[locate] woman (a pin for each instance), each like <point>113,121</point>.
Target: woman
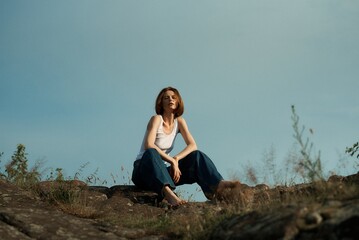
<point>187,167</point>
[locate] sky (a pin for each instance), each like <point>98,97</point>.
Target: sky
<point>78,80</point>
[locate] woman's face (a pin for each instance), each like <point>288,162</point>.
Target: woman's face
<point>169,101</point>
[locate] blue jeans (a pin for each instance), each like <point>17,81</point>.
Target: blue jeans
<point>150,172</point>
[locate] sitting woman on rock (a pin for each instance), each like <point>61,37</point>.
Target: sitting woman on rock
<point>187,167</point>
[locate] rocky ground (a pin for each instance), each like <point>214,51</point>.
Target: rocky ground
<point>73,210</point>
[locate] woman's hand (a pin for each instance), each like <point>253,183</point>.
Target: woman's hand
<point>175,171</point>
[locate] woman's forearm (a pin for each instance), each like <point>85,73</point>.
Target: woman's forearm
<point>187,150</point>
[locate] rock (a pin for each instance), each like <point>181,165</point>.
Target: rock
<point>293,223</point>
<point>255,225</point>
<point>351,179</point>
<point>100,189</point>
<point>137,195</point>
<point>334,216</point>
<point>131,192</point>
<point>24,216</point>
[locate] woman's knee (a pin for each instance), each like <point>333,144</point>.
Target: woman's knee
<point>201,157</point>
<point>151,152</point>
<point>196,153</point>
<point>199,154</point>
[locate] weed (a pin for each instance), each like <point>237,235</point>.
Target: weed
<point>91,178</point>
<point>272,172</point>
<point>188,195</point>
<point>126,177</point>
<point>55,175</point>
<point>353,150</point>
<point>298,162</point>
<point>61,192</point>
<point>251,175</point>
<point>290,166</point>
<point>80,170</point>
<point>311,168</point>
<point>17,170</point>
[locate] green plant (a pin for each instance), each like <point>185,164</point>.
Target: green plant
<point>311,166</point>
<point>353,149</point>
<point>63,192</point>
<point>17,170</point>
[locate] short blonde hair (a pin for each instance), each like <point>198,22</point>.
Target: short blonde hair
<point>159,106</point>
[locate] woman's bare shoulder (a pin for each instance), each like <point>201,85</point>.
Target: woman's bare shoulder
<point>181,119</point>
<point>155,118</point>
<point>154,121</point>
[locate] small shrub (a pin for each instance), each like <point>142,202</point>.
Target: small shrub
<point>70,198</point>
<point>17,170</point>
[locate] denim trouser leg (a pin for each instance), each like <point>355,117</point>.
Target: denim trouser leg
<point>198,167</point>
<point>150,172</point>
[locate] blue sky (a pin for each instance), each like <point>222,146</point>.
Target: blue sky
<point>79,78</point>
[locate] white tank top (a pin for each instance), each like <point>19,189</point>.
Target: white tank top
<point>163,140</point>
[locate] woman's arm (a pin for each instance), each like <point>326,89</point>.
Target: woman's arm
<point>150,138</point>
<point>188,138</point>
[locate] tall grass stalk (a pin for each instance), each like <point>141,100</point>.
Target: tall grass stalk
<point>311,166</point>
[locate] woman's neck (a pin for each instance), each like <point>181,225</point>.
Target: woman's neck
<point>168,118</point>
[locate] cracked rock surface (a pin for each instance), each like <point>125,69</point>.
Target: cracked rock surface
<point>24,216</point>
